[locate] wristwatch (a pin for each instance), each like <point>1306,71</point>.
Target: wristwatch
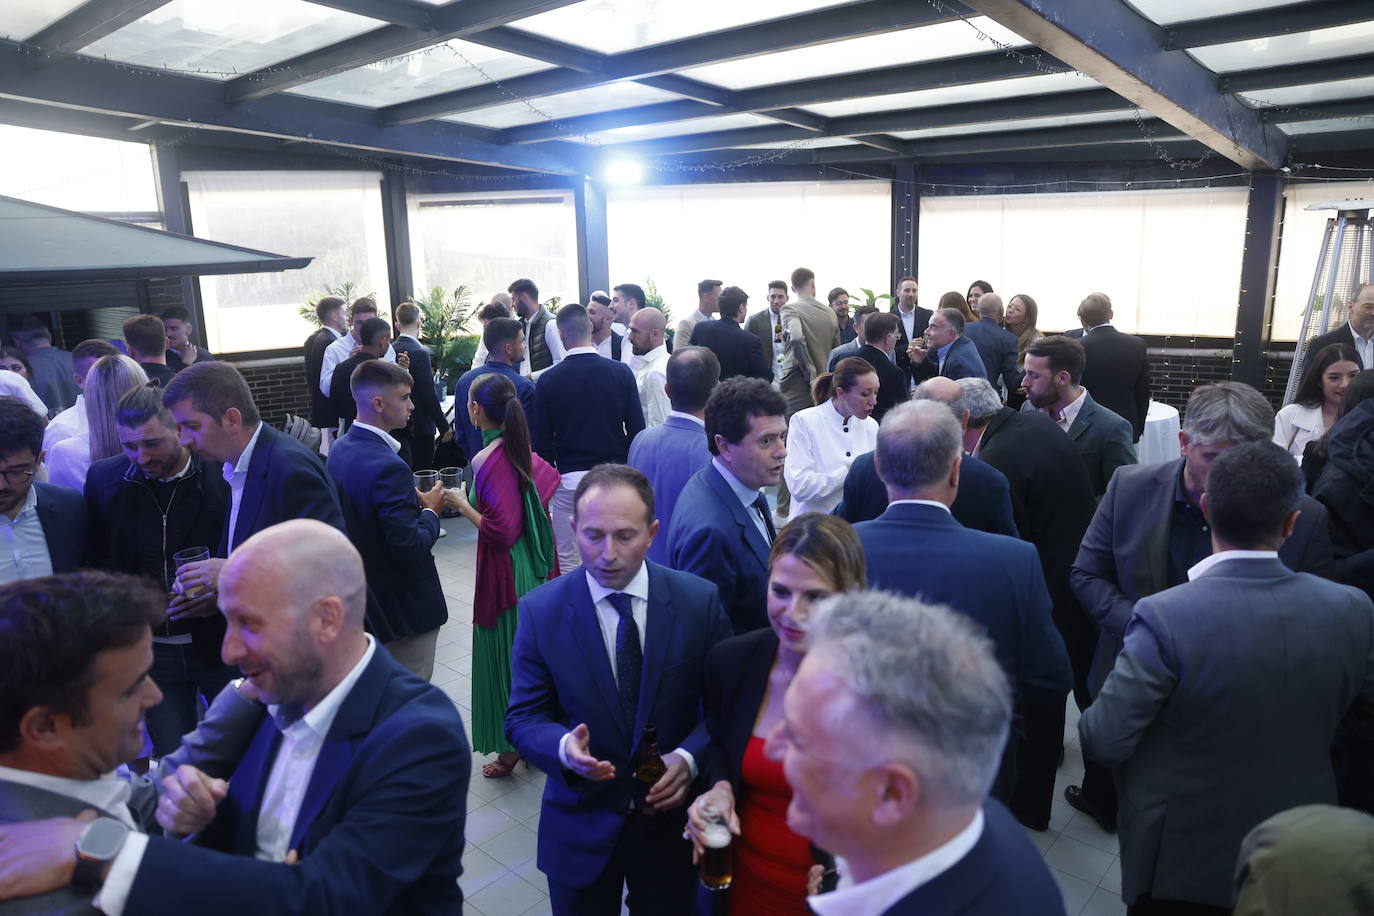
<point>100,842</point>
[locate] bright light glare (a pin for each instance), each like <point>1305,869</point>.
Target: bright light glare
<point>624,171</point>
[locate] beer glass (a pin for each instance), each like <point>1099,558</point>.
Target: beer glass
<point>717,857</point>
<point>452,479</point>
<point>426,480</point>
<point>191,555</point>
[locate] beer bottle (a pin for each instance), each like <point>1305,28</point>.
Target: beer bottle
<point>716,859</point>
<point>651,766</point>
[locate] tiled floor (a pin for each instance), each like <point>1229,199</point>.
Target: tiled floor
<point>499,877</point>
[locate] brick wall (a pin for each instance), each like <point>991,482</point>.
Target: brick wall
<point>278,387</point>
<point>1175,372</point>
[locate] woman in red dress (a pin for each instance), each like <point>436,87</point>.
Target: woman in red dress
<point>814,556</point>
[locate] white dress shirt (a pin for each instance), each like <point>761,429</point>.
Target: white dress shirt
<point>23,548</point>
<point>1296,425</point>
<point>16,386</point>
<point>821,445</point>
<point>1364,347</point>
<point>70,422</point>
<point>919,502</point>
<point>651,377</point>
<point>908,320</point>
<point>1070,411</point>
<point>627,352</point>
<point>746,497</point>
<point>609,619</point>
<point>382,434</point>
<point>69,461</point>
<point>237,476</point>
<point>336,353</point>
<point>877,895</point>
<point>301,741</point>
<point>779,344</point>
<point>1207,563</point>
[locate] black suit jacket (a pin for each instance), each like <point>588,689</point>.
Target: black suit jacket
<point>983,502</point>
<point>1117,373</point>
<point>736,681</point>
<point>919,326</point>
<point>892,381</point>
<point>320,413</point>
<point>1342,334</point>
<point>62,514</point>
<point>738,351</point>
<point>428,417</point>
<point>341,403</point>
<point>285,480</point>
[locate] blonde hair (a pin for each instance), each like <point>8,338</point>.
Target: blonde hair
<point>109,379</point>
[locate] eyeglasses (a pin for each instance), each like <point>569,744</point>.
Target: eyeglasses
<point>17,476</point>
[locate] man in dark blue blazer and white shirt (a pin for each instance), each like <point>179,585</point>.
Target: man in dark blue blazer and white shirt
<point>916,548</point>
<point>393,525</point>
<point>945,351</point>
<point>610,649</point>
<point>722,528</point>
<point>738,351</point>
<point>891,735</point>
<point>272,477</point>
<point>671,452</point>
<point>996,345</point>
<point>428,418</point>
<point>44,525</point>
<point>505,343</point>
<point>586,412</point>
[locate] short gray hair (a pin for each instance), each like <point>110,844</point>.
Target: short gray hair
<point>979,398</point>
<point>954,317</point>
<point>929,684</point>
<point>1227,412</point>
<point>917,444</point>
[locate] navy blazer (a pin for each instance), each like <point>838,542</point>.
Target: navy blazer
<point>1002,874</point>
<point>1103,439</point>
<point>428,417</point>
<point>62,513</point>
<point>1117,372</point>
<point>586,411</point>
<point>983,502</point>
<point>394,535</point>
<point>470,436</point>
<point>892,382</point>
<point>999,348</point>
<point>285,481</point>
<point>668,454</point>
<point>561,677</point>
<point>993,579</point>
<point>714,536</point>
<point>920,321</point>
<point>380,829</point>
<point>738,351</point>
<point>961,361</point>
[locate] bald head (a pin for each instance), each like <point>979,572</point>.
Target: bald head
<point>648,320</point>
<point>990,306</point>
<point>945,390</point>
<point>647,331</point>
<point>302,561</point>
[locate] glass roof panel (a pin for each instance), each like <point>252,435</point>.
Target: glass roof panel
<point>1312,92</point>
<point>566,105</point>
<point>220,40</point>
<point>908,46</point>
<point>1325,125</point>
<point>677,128</point>
<point>1168,12</point>
<point>612,26</point>
<point>1298,48</point>
<point>452,65</point>
<point>1040,84</point>
<point>817,143</point>
<point>22,19</point>
<point>997,127</point>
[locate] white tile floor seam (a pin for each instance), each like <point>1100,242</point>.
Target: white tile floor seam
<point>499,873</point>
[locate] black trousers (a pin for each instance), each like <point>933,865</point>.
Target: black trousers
<point>1148,906</point>
<point>421,449</point>
<point>652,859</point>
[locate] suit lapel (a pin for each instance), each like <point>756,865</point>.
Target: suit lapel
<point>58,545</point>
<point>753,685</point>
<point>254,485</point>
<point>1159,516</point>
<point>586,631</point>
<point>659,624</point>
<point>1086,415</point>
<point>250,782</point>
<point>750,531</point>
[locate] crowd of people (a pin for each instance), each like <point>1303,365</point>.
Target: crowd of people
<point>808,586</point>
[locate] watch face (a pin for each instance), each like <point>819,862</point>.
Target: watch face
<point>102,839</point>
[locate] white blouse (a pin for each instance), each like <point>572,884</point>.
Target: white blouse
<point>821,445</point>
<point>1295,426</point>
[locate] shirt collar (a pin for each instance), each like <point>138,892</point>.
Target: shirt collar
<point>184,472</point>
<point>1207,563</point>
<point>743,493</point>
<point>411,336</point>
<point>657,353</point>
<point>382,434</point>
<point>30,505</point>
<point>321,715</point>
<point>880,894</point>
<point>919,502</point>
<point>838,418</point>
<point>336,334</point>
<point>578,350</point>
<point>687,416</point>
<point>944,351</point>
<point>1071,409</point>
<point>702,316</point>
<point>241,466</point>
<point>110,793</point>
<point>1356,334</point>
<point>637,587</point>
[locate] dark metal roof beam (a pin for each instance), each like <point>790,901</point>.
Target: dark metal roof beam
<point>410,13</point>
<point>1361,108</point>
<point>453,20</point>
<point>870,17</point>
<point>1283,20</point>
<point>535,47</point>
<point>1340,68</point>
<point>1124,51</point>
<point>90,22</point>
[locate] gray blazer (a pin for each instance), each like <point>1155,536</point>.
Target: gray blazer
<point>1220,713</point>
<point>1103,438</point>
<point>1124,555</point>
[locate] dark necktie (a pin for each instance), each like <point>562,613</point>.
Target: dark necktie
<point>629,657</point>
<point>761,507</point>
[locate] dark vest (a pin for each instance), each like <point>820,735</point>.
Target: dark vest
<point>616,341</point>
<point>538,348</point>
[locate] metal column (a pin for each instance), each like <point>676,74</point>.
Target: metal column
<point>1255,312</point>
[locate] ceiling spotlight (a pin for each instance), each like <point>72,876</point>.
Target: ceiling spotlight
<point>624,171</point>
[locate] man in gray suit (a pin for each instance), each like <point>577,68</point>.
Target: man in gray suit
<point>1054,370</point>
<point>1149,530</point>
<point>1227,693</point>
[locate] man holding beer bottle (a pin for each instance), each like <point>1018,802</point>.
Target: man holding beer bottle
<point>608,668</point>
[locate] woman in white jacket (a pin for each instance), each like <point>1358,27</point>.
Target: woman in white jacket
<point>1326,377</point>
<point>823,441</point>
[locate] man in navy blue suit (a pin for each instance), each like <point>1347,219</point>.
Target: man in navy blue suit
<point>45,524</point>
<point>945,350</point>
<point>272,477</point>
<point>613,648</point>
<point>428,418</point>
<point>995,580</point>
<point>722,529</point>
<point>996,345</point>
<point>891,733</point>
<point>505,343</point>
<point>671,452</point>
<point>393,525</point>
<point>586,411</point>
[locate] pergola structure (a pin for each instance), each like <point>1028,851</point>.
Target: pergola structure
<point>693,89</point>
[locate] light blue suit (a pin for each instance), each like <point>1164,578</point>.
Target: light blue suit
<point>668,454</point>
